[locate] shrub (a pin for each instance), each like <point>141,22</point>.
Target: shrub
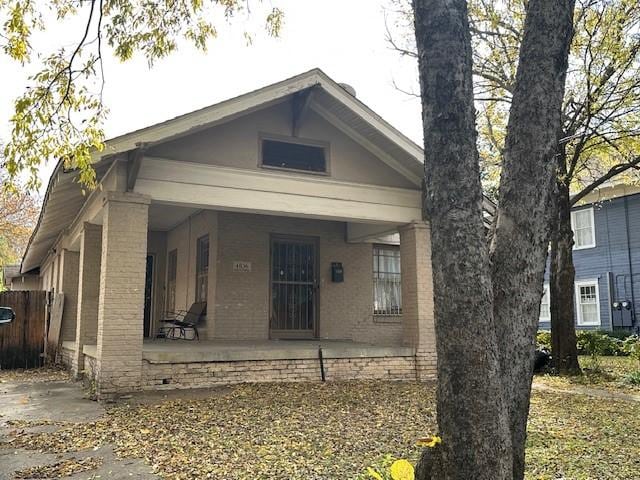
<point>543,339</point>
<point>633,378</point>
<point>631,346</point>
<point>595,344</point>
<point>619,333</point>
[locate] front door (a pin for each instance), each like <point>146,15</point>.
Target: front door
<point>294,292</point>
<point>148,296</point>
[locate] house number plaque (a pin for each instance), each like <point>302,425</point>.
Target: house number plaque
<point>241,267</point>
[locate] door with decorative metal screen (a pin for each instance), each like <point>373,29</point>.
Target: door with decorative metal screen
<point>294,297</point>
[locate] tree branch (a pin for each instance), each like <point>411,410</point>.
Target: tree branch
<point>612,172</point>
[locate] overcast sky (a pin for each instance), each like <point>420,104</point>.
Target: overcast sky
<point>345,38</point>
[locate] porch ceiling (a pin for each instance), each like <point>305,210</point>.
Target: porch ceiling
<point>163,218</point>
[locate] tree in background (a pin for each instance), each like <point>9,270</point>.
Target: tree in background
<point>61,113</point>
<point>600,133</point>
<point>18,217</point>
<point>487,301</point>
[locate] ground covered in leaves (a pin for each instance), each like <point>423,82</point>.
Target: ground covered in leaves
<point>44,374</point>
<point>335,430</point>
<point>609,373</point>
<point>60,469</point>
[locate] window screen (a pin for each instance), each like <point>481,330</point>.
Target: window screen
<point>293,155</point>
<point>387,285</point>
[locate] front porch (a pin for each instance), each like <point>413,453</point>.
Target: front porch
<point>263,275</point>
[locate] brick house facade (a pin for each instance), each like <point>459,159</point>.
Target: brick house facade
<point>195,209</point>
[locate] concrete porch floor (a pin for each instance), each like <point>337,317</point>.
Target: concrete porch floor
<point>181,351</point>
<point>184,351</point>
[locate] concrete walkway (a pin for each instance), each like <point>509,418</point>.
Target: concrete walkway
<point>38,404</point>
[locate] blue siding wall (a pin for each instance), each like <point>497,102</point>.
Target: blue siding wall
<point>614,261</point>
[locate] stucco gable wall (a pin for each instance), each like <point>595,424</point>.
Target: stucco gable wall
<point>236,144</point>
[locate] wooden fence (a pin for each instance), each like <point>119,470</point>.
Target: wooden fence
<point>22,341</point>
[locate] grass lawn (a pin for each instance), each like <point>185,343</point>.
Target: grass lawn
<point>611,375</point>
<point>335,430</point>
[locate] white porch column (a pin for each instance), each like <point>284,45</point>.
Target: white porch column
<point>88,292</point>
<point>121,298</point>
<point>417,297</point>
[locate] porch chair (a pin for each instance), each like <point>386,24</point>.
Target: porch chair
<point>179,322</point>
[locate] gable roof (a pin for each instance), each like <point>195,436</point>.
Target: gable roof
<point>331,100</point>
<point>64,198</point>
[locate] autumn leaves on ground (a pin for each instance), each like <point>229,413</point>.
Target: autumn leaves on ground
<point>336,430</point>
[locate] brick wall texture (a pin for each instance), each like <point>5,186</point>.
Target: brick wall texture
<point>242,299</point>
<point>88,292</point>
<point>158,376</point>
<point>417,296</point>
<point>121,299</point>
<point>69,286</point>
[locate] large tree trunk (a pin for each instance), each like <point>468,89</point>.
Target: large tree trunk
<point>520,243</point>
<point>561,282</point>
<point>472,416</point>
<point>486,323</point>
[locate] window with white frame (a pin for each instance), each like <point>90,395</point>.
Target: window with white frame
<point>587,302</point>
<point>387,284</point>
<point>583,228</point>
<point>545,305</point>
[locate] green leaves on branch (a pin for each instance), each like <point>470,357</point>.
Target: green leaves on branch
<point>58,117</point>
<point>61,113</point>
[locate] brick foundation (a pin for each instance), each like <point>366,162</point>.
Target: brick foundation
<point>158,376</point>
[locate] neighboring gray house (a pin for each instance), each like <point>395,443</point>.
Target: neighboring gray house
<point>607,261</point>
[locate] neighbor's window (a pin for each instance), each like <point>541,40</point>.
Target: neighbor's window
<point>202,269</point>
<point>588,303</point>
<point>545,306</point>
<point>387,289</point>
<point>296,156</point>
<point>583,228</point>
<point>172,271</point>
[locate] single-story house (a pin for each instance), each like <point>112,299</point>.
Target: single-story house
<point>294,211</point>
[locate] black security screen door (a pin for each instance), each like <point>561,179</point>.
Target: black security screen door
<point>293,287</point>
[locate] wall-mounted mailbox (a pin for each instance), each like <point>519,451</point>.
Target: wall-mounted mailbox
<point>337,272</point>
